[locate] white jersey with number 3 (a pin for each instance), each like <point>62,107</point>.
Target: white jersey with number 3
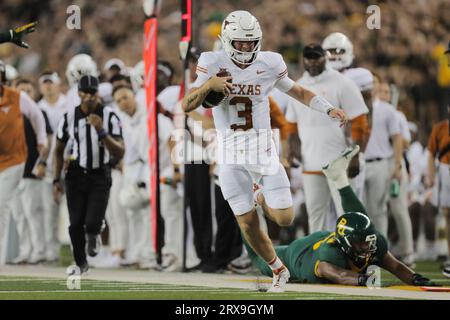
<point>243,118</point>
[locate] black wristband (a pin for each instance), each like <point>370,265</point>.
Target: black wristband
<point>102,134</point>
<point>43,163</point>
<point>55,181</point>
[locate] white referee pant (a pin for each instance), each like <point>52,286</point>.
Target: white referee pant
<point>9,180</point>
<point>376,193</point>
<point>32,207</point>
<point>399,209</point>
<point>172,213</point>
<point>318,195</point>
<point>51,221</point>
<point>140,244</point>
<point>116,215</point>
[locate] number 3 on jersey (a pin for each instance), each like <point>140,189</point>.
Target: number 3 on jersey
<point>246,113</point>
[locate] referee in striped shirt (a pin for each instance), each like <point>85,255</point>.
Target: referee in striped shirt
<point>96,133</point>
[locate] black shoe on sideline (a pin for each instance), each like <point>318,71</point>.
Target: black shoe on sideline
<point>94,243</point>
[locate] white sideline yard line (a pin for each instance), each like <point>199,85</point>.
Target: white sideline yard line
<point>213,281</point>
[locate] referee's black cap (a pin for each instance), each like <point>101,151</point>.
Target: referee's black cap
<point>313,51</point>
<point>88,84</point>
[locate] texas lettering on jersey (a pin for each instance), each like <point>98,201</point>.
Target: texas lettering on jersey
<point>246,89</point>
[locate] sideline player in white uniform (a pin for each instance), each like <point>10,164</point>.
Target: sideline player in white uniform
<point>243,123</point>
<point>135,193</point>
<point>383,160</point>
<point>322,140</point>
<point>398,204</point>
<point>340,57</point>
<point>53,103</point>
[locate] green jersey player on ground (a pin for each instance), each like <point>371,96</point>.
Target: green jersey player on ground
<point>342,256</point>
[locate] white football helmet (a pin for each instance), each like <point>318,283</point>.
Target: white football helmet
<point>340,50</point>
<point>80,64</point>
<point>241,26</point>
<point>137,75</point>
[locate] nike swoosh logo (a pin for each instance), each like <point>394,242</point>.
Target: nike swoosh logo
<point>259,72</point>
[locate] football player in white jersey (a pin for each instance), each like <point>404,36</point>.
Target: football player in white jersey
<point>243,123</point>
<point>340,57</point>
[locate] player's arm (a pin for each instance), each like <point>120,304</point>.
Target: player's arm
<point>401,271</point>
<point>431,156</point>
<point>196,96</point>
<point>397,142</point>
<point>30,109</point>
<point>207,122</point>
<point>318,103</point>
<point>58,163</point>
<point>339,275</point>
<point>431,172</point>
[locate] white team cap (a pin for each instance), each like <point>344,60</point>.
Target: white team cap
<point>53,77</point>
<point>114,62</point>
<point>362,77</point>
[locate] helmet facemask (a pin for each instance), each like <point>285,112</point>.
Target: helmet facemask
<point>340,51</point>
<point>337,58</point>
<point>246,57</point>
<point>361,248</point>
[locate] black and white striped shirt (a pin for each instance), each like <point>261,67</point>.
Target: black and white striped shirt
<point>89,152</point>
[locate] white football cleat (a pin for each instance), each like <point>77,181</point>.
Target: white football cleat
<point>279,280</point>
<point>334,169</point>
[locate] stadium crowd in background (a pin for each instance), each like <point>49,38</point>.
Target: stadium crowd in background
<point>406,57</point>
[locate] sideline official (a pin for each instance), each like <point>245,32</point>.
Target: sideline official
<point>96,133</point>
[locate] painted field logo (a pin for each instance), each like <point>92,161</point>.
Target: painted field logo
<point>73,281</point>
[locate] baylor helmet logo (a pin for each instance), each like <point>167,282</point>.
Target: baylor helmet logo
<point>341,227</point>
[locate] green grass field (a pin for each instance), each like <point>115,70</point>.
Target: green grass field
<point>30,288</point>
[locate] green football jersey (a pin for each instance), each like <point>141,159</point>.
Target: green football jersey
<point>302,256</point>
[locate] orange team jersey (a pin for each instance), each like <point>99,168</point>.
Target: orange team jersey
<point>13,148</point>
<point>439,139</point>
<point>279,121</point>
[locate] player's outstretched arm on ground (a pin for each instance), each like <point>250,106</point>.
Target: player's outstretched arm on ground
<point>401,271</point>
<point>317,103</point>
<point>339,275</point>
<point>196,96</point>
<point>15,35</point>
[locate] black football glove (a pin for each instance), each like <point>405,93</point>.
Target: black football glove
<point>19,32</point>
<point>419,280</point>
